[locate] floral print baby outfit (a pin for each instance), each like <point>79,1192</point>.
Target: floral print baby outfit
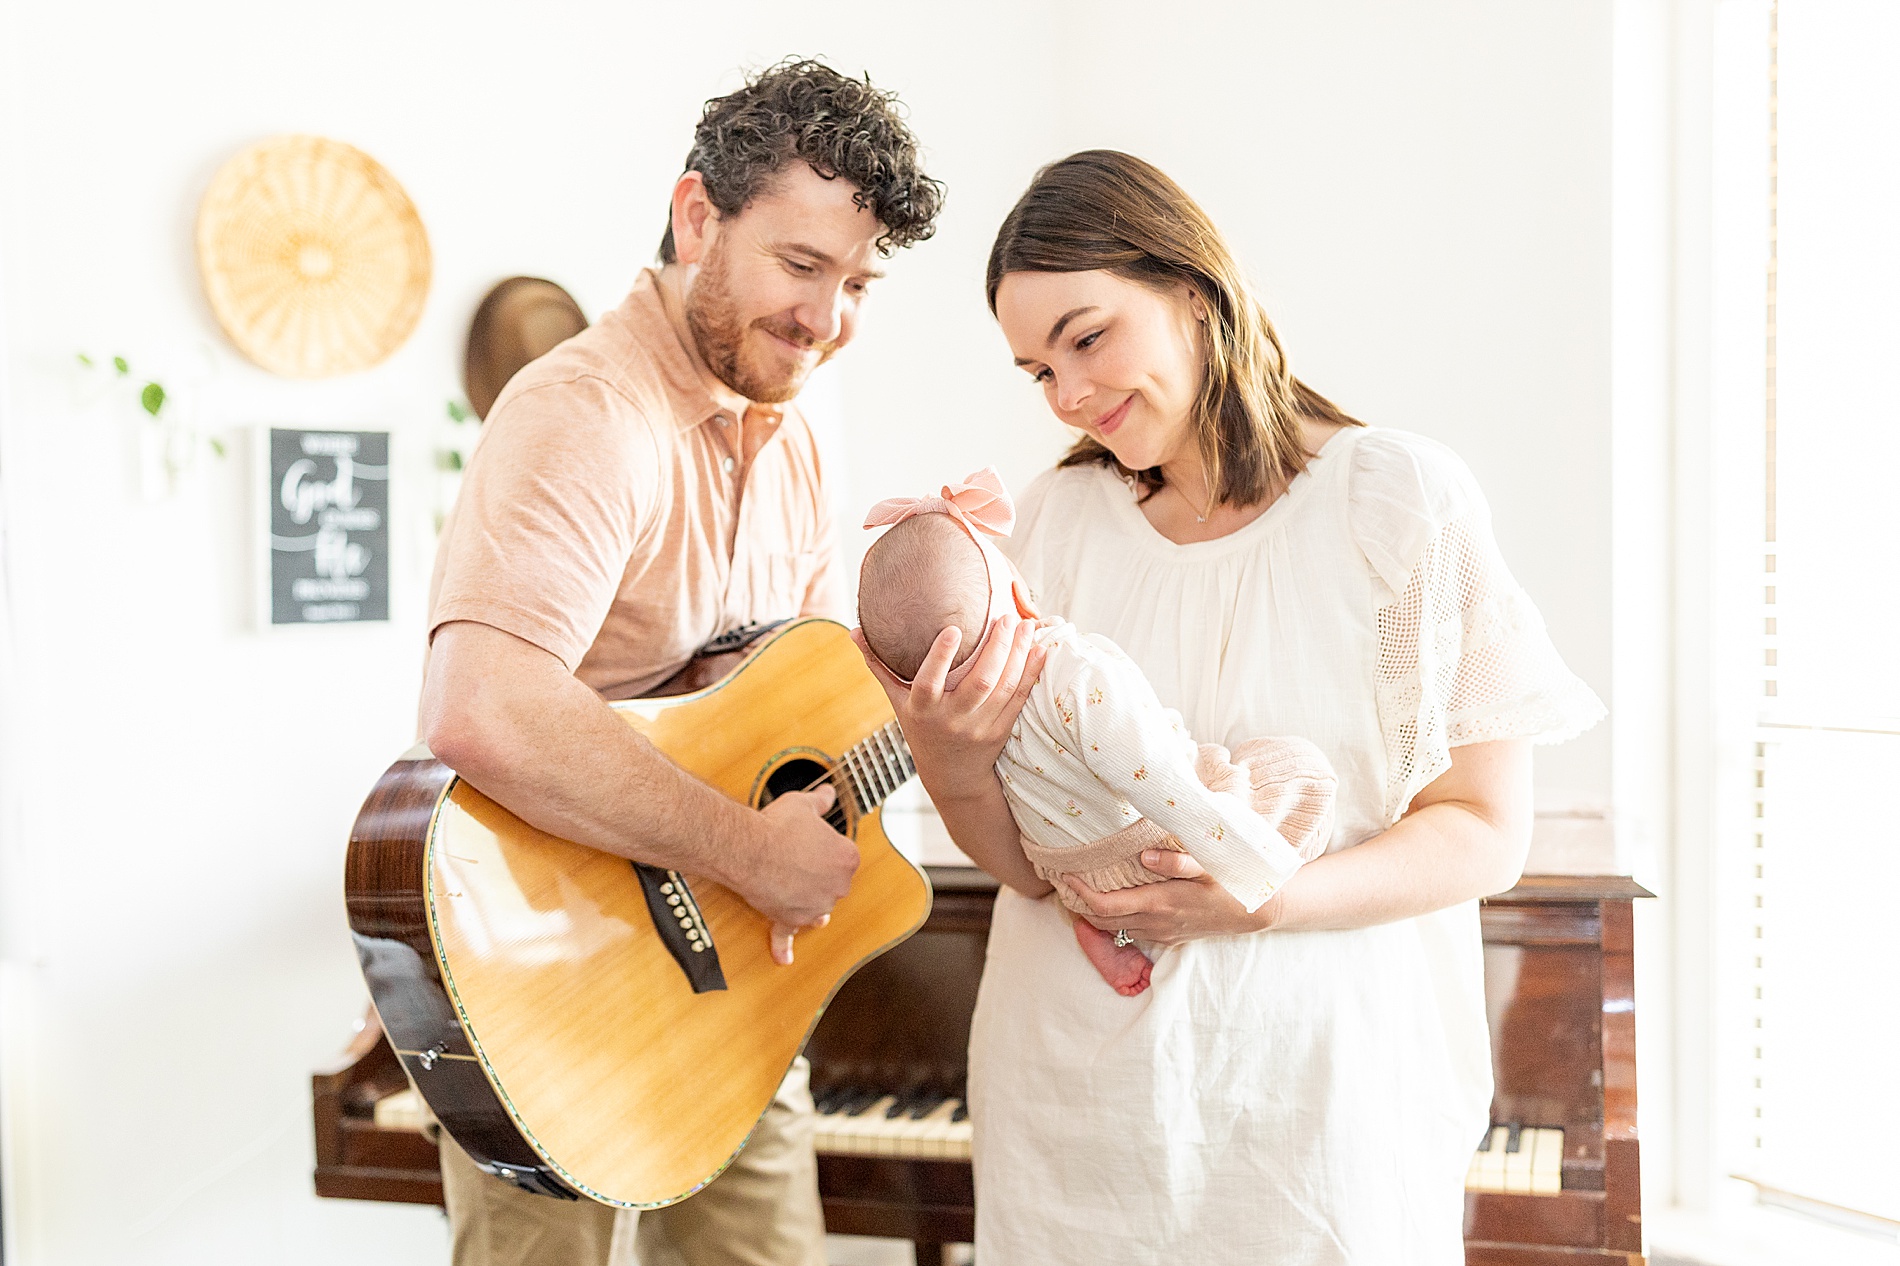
<point>1096,770</point>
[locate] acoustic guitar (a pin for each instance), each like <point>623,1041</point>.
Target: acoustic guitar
<point>583,1025</point>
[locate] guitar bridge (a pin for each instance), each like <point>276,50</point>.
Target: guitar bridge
<point>681,926</point>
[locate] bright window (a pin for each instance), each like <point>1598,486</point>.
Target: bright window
<point>1824,861</point>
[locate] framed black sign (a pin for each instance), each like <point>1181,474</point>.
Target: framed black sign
<point>329,526</point>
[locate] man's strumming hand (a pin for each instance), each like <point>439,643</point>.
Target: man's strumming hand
<point>799,868</point>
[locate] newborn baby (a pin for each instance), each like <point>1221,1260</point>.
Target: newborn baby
<point>1095,770</point>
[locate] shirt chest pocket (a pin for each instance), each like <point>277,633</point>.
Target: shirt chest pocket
<point>787,579</point>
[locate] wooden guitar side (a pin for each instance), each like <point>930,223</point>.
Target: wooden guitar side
<point>527,993</point>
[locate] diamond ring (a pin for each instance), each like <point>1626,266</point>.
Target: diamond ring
<point>1122,939</point>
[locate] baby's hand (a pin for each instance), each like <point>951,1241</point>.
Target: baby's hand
<point>1019,590</point>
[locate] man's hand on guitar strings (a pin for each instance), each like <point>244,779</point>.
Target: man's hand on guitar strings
<point>802,866</point>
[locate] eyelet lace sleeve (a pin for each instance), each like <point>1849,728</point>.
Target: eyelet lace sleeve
<point>1463,653</point>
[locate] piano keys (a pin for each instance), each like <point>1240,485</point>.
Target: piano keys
<point>403,1110</point>
<point>1554,1182</point>
<point>1515,1158</point>
<point>1560,996</point>
<point>898,1034</point>
<point>368,1146</point>
<point>863,1123</point>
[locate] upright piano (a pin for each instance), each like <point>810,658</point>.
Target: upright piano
<point>1553,1183</point>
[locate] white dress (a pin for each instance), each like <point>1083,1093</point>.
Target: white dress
<point>1288,1098</point>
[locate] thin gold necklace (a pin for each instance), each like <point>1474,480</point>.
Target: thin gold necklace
<point>1198,516</point>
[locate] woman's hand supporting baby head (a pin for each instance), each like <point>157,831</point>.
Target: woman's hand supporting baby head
<point>923,577</point>
<point>955,735</point>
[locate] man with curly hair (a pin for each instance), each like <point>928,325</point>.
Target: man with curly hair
<point>643,488</point>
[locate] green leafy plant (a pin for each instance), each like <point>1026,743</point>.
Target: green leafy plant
<point>152,396</point>
<point>450,457</point>
<point>451,454</point>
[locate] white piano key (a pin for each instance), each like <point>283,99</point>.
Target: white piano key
<point>401,1111</point>
<point>911,1129</point>
<point>857,1135</point>
<point>863,1129</point>
<point>933,1137</point>
<point>886,1131</point>
<point>956,1143</point>
<point>1547,1163</point>
<point>1489,1165</point>
<point>1517,1165</point>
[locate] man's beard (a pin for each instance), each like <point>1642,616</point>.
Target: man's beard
<point>711,314</point>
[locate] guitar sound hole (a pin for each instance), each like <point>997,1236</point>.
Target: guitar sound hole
<point>800,774</point>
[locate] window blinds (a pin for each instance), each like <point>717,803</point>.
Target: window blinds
<point>1824,862</point>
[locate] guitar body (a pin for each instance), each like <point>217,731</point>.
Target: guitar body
<point>524,980</point>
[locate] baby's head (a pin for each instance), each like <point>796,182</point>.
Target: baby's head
<point>922,576</point>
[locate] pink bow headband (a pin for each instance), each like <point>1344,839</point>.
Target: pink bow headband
<point>980,504</point>
<point>980,501</point>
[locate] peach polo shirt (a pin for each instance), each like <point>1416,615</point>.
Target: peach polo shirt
<point>612,516</point>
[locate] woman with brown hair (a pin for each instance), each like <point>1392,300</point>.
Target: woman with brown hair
<point>1304,1084</point>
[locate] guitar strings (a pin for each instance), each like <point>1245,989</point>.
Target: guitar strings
<point>829,776</point>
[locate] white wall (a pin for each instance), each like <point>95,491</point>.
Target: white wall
<point>1422,193</point>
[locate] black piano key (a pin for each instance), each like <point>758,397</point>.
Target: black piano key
<point>856,1102</point>
<point>1484,1144</point>
<point>915,1102</point>
<point>1515,1142</point>
<point>925,1104</point>
<point>962,1113</point>
<point>827,1100</point>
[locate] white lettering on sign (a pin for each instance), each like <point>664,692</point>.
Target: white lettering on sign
<point>303,494</point>
<point>338,557</point>
<point>317,444</point>
<point>306,589</point>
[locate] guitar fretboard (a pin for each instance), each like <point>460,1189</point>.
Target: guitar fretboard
<point>877,767</point>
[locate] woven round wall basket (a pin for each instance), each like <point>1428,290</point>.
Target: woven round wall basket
<point>313,257</point>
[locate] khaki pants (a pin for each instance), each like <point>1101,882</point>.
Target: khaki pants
<point>763,1211</point>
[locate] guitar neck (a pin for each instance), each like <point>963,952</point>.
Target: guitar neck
<point>876,767</point>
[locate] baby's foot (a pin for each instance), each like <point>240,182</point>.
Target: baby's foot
<point>1123,966</point>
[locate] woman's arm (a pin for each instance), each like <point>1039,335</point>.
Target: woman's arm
<point>956,736</point>
<point>1465,836</point>
<point>983,827</point>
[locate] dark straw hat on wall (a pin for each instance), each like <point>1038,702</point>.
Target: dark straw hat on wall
<point>520,319</point>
